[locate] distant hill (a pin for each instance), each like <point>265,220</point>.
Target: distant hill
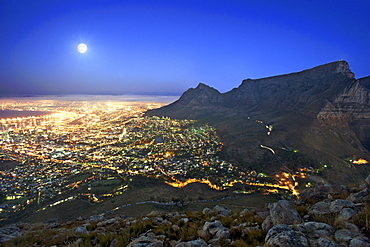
<point>322,113</point>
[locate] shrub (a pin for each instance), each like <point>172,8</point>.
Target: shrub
<point>236,233</point>
<point>302,210</point>
<point>140,227</point>
<point>255,237</point>
<point>239,243</point>
<point>362,220</point>
<point>227,221</point>
<point>329,218</point>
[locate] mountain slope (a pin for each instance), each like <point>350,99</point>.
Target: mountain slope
<point>324,112</point>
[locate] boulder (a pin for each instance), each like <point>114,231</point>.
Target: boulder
<point>363,186</point>
<point>222,210</point>
<point>324,242</point>
<point>317,229</point>
<point>194,243</point>
<point>222,233</point>
<point>285,236</point>
<point>362,196</point>
<point>81,230</point>
<point>207,211</point>
<point>352,227</point>
<point>244,212</point>
<point>158,220</point>
<point>213,227</point>
<point>337,205</point>
<point>176,228</point>
<point>107,222</point>
<point>9,232</point>
<point>218,242</point>
<point>320,208</point>
<point>144,241</point>
<point>282,212</point>
<point>344,235</point>
<point>276,230</point>
<point>346,214</point>
<point>95,218</point>
<point>359,242</point>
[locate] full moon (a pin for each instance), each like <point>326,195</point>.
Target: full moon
<point>82,48</point>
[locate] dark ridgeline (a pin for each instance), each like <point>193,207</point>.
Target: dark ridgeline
<point>324,112</point>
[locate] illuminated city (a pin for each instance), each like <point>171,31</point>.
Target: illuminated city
<point>62,145</point>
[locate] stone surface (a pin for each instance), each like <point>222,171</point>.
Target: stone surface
<point>9,232</point>
<point>353,228</point>
<point>337,205</point>
<point>282,212</point>
<point>222,210</point>
<point>324,242</point>
<point>194,243</point>
<point>206,211</point>
<point>267,223</point>
<point>276,230</point>
<point>360,242</point>
<point>362,196</point>
<point>317,229</point>
<point>213,227</point>
<point>320,208</point>
<point>287,239</point>
<point>81,230</point>
<point>144,241</point>
<point>344,235</point>
<point>346,214</point>
<point>244,212</point>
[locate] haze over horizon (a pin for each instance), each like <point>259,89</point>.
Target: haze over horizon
<point>165,47</point>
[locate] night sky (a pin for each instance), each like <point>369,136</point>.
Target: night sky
<point>166,47</point>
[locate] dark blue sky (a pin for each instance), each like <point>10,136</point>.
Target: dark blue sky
<point>166,47</point>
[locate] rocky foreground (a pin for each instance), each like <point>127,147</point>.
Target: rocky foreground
<point>327,216</point>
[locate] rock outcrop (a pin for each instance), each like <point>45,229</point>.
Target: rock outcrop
<point>282,212</point>
<point>327,223</point>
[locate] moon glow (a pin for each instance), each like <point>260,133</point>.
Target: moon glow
<point>82,48</point>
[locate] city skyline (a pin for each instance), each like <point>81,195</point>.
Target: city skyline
<point>166,47</point>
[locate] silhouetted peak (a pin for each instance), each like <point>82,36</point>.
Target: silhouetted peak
<point>336,67</point>
<point>316,73</point>
<point>203,86</point>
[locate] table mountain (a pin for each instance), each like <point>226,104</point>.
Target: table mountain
<point>323,112</point>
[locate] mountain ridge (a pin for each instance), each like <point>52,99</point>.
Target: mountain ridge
<point>323,111</point>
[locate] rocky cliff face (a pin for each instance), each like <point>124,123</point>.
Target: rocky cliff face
<point>295,91</point>
<point>323,111</point>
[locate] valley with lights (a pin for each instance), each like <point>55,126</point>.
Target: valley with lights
<point>64,150</point>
